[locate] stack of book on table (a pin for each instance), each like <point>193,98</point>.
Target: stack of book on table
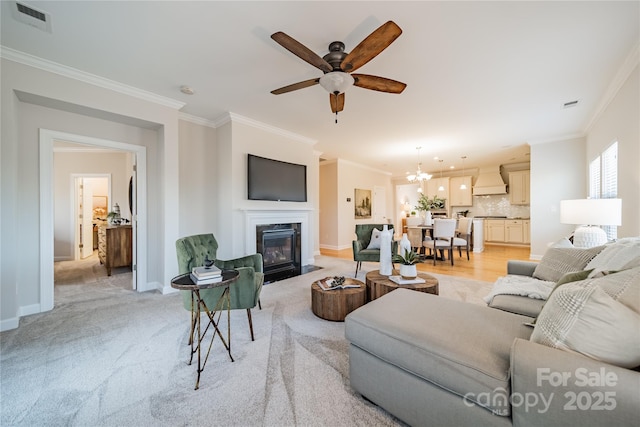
<point>206,275</point>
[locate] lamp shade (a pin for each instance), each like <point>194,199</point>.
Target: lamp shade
<point>591,211</point>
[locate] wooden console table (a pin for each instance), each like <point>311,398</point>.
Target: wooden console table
<point>378,285</point>
<point>115,246</point>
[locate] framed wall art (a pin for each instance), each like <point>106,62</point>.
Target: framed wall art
<point>362,207</point>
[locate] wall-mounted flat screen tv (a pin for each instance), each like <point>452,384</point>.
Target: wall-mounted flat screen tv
<point>276,180</point>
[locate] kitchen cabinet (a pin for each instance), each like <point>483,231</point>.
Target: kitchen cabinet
<point>519,187</point>
<point>511,231</point>
<point>115,246</point>
<point>460,197</point>
<point>494,230</point>
<point>432,188</point>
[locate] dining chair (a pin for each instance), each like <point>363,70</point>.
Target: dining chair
<point>463,235</point>
<point>414,234</point>
<point>444,231</point>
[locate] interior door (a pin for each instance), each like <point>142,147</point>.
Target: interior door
<point>379,205</point>
<point>85,219</point>
<point>134,220</point>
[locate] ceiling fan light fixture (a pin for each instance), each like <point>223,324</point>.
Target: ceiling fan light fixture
<point>336,82</point>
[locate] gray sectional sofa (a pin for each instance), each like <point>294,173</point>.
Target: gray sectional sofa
<point>432,361</point>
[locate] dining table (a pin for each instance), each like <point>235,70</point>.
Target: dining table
<point>427,229</point>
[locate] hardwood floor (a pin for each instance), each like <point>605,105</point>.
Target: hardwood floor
<point>486,266</point>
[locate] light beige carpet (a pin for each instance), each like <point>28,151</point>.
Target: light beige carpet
<point>111,357</point>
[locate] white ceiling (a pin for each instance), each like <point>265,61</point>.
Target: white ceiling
<point>483,78</point>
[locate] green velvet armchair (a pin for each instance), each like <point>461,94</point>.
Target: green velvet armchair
<point>244,293</point>
<point>363,237</point>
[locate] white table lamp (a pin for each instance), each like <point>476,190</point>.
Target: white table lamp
<point>589,214</point>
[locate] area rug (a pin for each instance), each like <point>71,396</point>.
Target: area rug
<point>109,356</point>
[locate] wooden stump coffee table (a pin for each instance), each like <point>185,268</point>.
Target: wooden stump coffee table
<point>378,285</point>
<point>335,304</point>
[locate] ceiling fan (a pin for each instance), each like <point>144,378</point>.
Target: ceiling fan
<point>338,64</point>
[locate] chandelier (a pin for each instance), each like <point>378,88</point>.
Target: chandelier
<point>419,176</point>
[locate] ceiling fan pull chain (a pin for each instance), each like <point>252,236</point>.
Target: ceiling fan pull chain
<point>336,117</point>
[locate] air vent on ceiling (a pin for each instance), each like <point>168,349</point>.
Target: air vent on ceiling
<point>32,16</point>
<point>570,104</point>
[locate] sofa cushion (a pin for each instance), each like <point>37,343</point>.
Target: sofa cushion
<point>557,261</point>
<point>374,243</point>
<point>452,344</point>
<point>597,317</point>
<point>516,304</point>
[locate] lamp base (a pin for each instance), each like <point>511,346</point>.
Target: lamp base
<point>589,236</point>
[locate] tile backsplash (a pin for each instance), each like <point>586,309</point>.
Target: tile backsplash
<point>494,205</point>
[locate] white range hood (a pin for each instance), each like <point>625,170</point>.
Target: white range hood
<point>489,182</point>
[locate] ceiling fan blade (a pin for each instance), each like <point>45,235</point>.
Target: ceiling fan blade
<point>295,86</point>
<point>380,84</point>
<point>337,102</point>
<point>370,47</point>
<point>301,51</point>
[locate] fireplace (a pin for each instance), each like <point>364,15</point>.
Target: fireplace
<point>279,245</point>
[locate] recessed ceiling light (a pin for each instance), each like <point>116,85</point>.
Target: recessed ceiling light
<point>187,90</point>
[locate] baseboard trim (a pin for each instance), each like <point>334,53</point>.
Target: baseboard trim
<point>8,324</point>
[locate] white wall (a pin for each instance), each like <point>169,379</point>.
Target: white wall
<point>340,178</point>
<point>351,176</point>
<point>620,121</point>
<point>328,206</point>
<point>557,173</point>
<point>198,194</point>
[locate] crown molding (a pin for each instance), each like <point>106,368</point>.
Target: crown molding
<point>197,120</point>
<point>236,118</point>
<point>558,138</point>
<point>630,63</point>
<point>73,73</point>
<point>352,163</point>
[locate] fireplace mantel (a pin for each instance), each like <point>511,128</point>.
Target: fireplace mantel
<point>255,217</point>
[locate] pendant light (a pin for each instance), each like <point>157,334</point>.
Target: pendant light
<point>441,187</point>
<point>463,186</point>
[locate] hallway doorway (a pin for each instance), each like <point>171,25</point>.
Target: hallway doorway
<point>137,189</point>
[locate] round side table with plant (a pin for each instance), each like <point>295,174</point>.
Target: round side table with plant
<point>407,260</point>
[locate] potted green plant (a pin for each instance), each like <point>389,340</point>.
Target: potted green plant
<point>427,204</point>
<point>407,260</point>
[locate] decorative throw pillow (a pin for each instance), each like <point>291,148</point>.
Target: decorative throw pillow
<point>620,255</point>
<point>563,243</point>
<point>591,318</point>
<point>558,261</point>
<point>574,276</point>
<point>374,243</point>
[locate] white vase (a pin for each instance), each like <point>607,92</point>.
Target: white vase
<point>428,218</point>
<point>405,244</point>
<point>408,271</point>
<point>385,251</point>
